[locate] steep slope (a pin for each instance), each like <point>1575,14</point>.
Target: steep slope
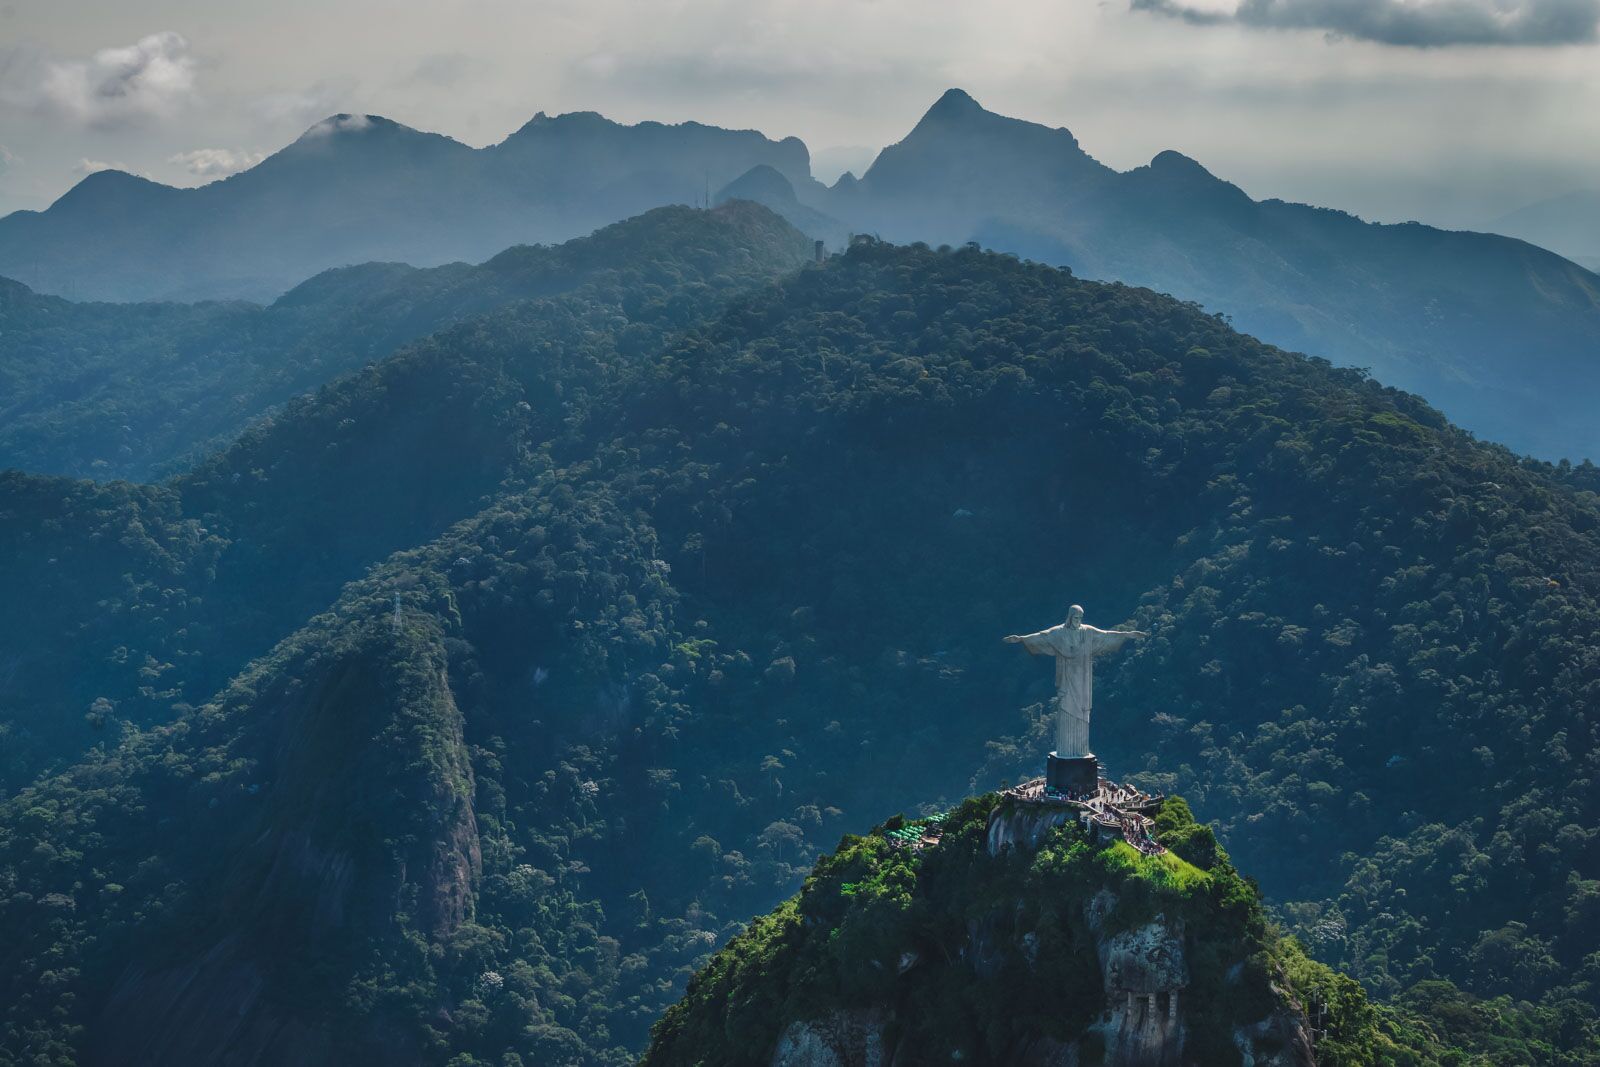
<point>139,596</point>
<point>591,168</point>
<point>738,574</point>
<point>766,186</point>
<point>1054,950</point>
<point>960,167</point>
<point>356,188</point>
<point>134,391</point>
<point>1499,334</point>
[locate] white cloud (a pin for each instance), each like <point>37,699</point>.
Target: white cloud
<point>86,167</point>
<point>152,78</point>
<point>216,162</point>
<point>339,124</point>
<point>1408,23</point>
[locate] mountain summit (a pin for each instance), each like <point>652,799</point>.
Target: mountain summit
<point>354,188</point>
<point>953,106</point>
<point>988,935</point>
<point>1497,332</point>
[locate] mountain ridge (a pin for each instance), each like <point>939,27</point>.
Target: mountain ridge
<point>677,676</point>
<point>1498,333</point>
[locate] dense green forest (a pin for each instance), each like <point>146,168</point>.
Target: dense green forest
<point>136,391</point>
<point>956,953</point>
<point>461,708</point>
<point>1495,332</point>
<point>145,596</point>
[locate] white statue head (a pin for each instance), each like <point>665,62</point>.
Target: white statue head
<point>1075,615</point>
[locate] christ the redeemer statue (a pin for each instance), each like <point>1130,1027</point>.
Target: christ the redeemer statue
<point>1074,645</point>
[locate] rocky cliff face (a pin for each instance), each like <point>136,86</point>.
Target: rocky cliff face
<point>1024,827</point>
<point>841,1039</point>
<point>1143,1019</point>
<point>308,878</point>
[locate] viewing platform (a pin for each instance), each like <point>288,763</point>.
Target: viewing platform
<point>1108,812</point>
<point>918,834</point>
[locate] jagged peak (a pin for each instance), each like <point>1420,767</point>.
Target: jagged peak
<point>954,103</point>
<point>1170,162</point>
<point>957,113</point>
<point>583,121</point>
<point>543,119</point>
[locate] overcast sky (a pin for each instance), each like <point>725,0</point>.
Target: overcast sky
<point>1447,111</point>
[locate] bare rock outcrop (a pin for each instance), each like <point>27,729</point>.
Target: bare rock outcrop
<point>1025,827</point>
<point>309,873</point>
<point>840,1039</point>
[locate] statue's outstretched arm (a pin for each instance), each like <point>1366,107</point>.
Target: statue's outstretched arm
<point>1035,643</point>
<point>1111,640</point>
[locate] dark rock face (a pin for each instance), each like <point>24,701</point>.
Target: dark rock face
<point>210,1010</point>
<point>843,1039</point>
<point>1144,973</point>
<point>308,883</point>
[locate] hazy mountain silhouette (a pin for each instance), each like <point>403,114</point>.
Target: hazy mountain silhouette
<point>355,188</point>
<point>764,185</point>
<point>1497,332</point>
<point>1569,224</point>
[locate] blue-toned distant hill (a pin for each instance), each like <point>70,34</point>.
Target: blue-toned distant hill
<point>356,188</point>
<point>1570,224</point>
<point>133,391</point>
<point>1499,334</point>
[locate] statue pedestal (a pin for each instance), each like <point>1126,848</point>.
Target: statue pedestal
<point>1072,774</point>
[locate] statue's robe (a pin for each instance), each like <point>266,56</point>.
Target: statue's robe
<point>1074,648</point>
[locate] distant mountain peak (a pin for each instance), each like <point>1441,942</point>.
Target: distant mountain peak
<point>344,123</point>
<point>953,104</point>
<point>763,184</point>
<point>112,191</point>
<point>1177,163</point>
<point>958,136</point>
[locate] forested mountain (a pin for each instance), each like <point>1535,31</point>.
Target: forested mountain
<point>140,595</point>
<point>356,188</point>
<point>1497,333</point>
<point>1018,937</point>
<point>653,587</point>
<point>136,390</point>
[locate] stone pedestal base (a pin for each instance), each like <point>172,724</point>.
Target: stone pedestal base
<point>1072,774</point>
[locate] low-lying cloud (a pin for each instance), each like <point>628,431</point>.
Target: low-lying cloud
<point>85,167</point>
<point>335,124</point>
<point>216,162</point>
<point>1407,23</point>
